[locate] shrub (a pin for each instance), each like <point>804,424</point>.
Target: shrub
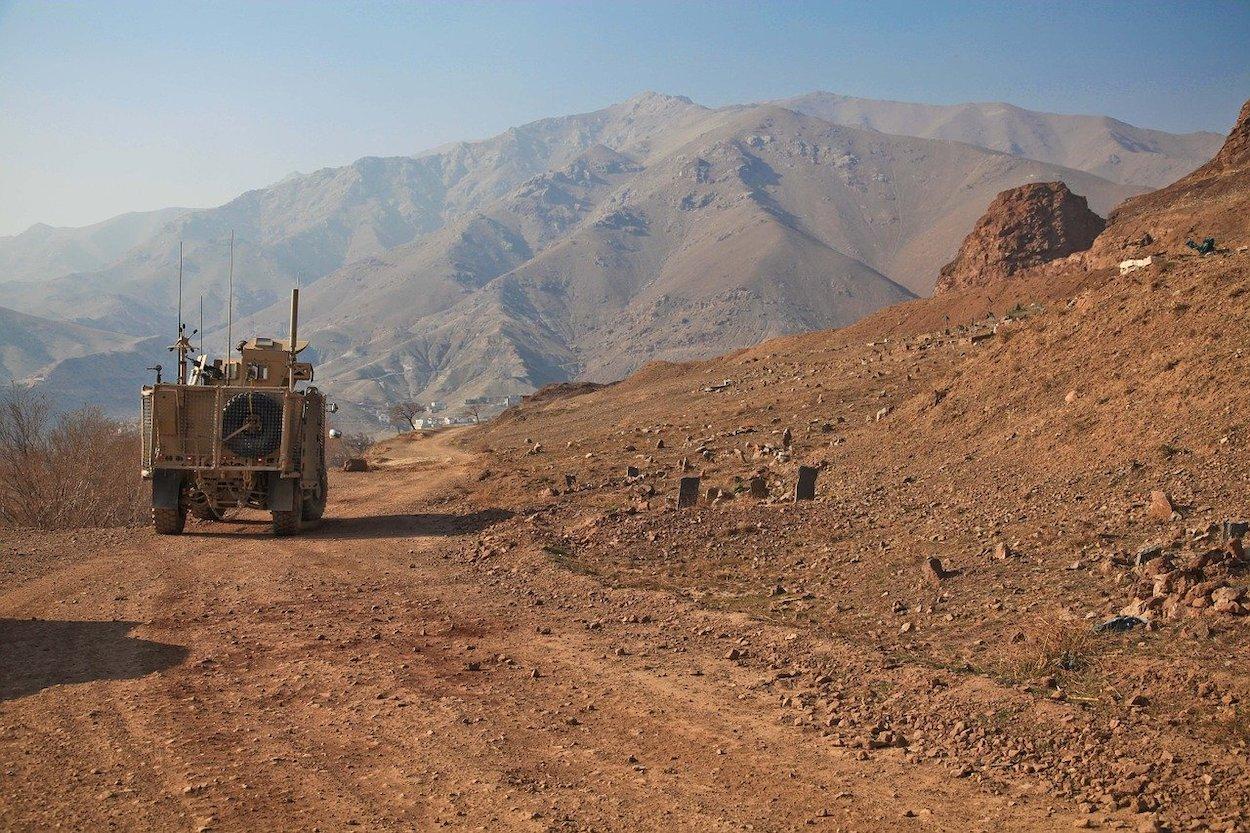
<point>76,469</point>
<point>348,446</point>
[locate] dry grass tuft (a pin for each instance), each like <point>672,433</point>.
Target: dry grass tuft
<point>1050,647</point>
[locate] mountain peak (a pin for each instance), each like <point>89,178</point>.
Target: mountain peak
<point>651,98</point>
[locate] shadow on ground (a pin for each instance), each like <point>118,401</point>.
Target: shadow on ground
<point>38,653</point>
<point>409,526</point>
<point>367,526</point>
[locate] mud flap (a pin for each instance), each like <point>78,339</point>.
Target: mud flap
<point>166,488</point>
<point>283,493</point>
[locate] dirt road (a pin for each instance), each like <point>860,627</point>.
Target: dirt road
<point>382,673</point>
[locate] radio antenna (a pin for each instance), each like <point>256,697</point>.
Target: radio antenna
<point>180,287</point>
<point>230,304</point>
<point>183,344</point>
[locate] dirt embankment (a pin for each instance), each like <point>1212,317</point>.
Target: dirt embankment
<point>1021,451</point>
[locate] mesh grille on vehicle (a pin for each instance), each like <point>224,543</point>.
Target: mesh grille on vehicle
<point>145,430</point>
<point>251,424</point>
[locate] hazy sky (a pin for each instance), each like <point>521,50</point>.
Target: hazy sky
<point>108,107</point>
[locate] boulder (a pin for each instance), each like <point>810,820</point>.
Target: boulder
<point>1161,507</point>
<point>1022,228</point>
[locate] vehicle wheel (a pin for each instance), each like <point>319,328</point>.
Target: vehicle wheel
<point>314,504</point>
<point>169,521</point>
<point>205,511</point>
<point>285,522</point>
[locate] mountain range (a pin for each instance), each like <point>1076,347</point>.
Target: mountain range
<point>576,247</point>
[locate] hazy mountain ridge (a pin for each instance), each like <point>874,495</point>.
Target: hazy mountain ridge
<point>43,252</point>
<point>1101,145</point>
<point>30,346</point>
<point>305,227</point>
<point>577,246</point>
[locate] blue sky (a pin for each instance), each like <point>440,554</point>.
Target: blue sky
<point>108,107</point>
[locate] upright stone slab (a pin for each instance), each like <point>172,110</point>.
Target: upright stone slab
<point>758,488</point>
<point>805,489</point>
<point>688,494</point>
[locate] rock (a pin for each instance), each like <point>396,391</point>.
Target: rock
<point>1023,227</point>
<point>757,488</point>
<point>1225,594</point>
<point>355,464</point>
<point>1161,507</point>
<point>933,572</point>
<point>1002,551</point>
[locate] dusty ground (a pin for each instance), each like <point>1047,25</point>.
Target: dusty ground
<point>473,640</point>
<point>381,674</point>
<point>1024,461</point>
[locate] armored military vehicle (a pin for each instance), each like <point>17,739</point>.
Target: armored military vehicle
<point>243,431</point>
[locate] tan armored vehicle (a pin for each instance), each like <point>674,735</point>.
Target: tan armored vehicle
<point>242,432</point>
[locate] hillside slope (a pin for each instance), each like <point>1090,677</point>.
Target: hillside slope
<point>766,222</point>
<point>30,346</point>
<point>1062,442</point>
<point>1210,202</point>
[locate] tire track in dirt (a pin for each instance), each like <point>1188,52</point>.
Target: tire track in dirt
<point>367,676</point>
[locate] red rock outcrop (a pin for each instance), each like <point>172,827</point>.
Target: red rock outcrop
<point>1022,228</point>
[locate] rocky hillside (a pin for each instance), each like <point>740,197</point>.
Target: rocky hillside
<point>759,223</point>
<point>1098,144</point>
<point>1210,202</point>
<point>1023,227</point>
<point>1001,472</point>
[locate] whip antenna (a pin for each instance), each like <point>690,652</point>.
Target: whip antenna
<point>180,287</point>
<point>230,304</point>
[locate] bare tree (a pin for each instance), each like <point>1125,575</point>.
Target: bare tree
<point>406,413</point>
<point>24,416</point>
<point>474,410</point>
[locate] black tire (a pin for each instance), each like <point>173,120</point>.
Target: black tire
<point>314,504</point>
<point>169,521</point>
<point>286,522</point>
<point>251,424</point>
